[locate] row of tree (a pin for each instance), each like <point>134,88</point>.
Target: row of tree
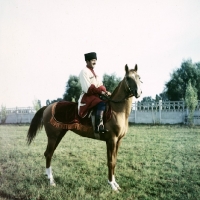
<point>183,85</point>
<point>175,88</point>
<point>180,79</point>
<point>188,75</point>
<point>73,87</point>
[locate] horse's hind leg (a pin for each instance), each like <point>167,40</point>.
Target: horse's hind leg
<point>62,134</point>
<point>48,154</point>
<point>51,146</point>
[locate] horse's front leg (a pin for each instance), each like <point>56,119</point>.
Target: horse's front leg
<point>117,148</point>
<point>111,162</point>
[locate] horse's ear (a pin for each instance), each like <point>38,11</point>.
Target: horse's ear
<point>126,68</point>
<point>136,68</point>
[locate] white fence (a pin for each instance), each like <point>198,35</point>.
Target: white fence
<point>166,112</point>
<point>17,115</point>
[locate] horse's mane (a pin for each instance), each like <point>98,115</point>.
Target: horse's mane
<point>116,89</point>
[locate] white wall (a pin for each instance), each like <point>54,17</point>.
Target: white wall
<point>170,112</point>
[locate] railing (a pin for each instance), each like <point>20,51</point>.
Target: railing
<point>148,112</point>
<point>162,112</point>
<point>19,110</point>
<point>17,115</point>
<point>162,105</point>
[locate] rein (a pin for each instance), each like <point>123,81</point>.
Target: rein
<point>107,98</point>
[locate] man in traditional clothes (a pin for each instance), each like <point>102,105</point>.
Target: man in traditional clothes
<point>92,88</point>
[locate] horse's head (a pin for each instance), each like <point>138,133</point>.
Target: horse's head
<point>132,80</point>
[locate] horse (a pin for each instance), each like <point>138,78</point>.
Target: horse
<point>120,102</point>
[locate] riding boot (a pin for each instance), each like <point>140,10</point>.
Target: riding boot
<point>99,126</point>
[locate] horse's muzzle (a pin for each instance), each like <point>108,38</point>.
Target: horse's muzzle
<point>137,93</point>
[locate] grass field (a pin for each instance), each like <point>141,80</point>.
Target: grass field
<point>154,162</point>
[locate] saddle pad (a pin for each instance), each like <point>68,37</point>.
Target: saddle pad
<point>65,116</point>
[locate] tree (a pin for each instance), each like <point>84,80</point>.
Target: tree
<point>3,115</point>
<point>191,100</point>
<point>158,98</point>
<point>73,89</point>
<point>163,96</point>
<point>48,102</point>
<point>110,82</point>
<point>147,99</point>
<point>36,104</point>
<point>176,87</point>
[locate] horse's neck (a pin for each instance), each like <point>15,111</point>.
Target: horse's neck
<point>120,94</point>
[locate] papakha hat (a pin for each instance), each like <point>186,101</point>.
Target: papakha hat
<point>90,56</point>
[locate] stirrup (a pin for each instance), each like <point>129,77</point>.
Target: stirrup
<point>101,129</point>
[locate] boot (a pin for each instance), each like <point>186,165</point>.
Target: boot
<point>99,126</point>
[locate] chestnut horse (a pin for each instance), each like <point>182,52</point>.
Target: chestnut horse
<point>120,102</point>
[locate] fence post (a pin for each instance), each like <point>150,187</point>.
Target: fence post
<point>160,109</point>
<point>135,110</point>
<point>153,119</point>
<point>184,113</point>
<point>16,115</point>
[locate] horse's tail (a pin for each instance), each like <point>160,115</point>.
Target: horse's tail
<point>35,125</point>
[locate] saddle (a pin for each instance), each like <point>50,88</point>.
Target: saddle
<point>65,116</point>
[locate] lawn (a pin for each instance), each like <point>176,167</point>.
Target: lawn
<point>154,162</point>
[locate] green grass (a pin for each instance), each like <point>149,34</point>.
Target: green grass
<point>154,162</point>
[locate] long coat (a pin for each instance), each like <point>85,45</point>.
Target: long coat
<point>91,89</point>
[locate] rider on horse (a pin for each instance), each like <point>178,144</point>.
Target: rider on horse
<point>92,88</point>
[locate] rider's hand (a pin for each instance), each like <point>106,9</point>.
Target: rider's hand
<point>106,93</point>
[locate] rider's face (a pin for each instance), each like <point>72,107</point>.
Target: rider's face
<point>92,63</point>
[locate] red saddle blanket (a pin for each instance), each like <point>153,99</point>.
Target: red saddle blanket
<point>65,116</point>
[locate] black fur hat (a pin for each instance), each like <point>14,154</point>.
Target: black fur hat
<point>90,56</point>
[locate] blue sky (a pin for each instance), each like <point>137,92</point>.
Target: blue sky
<point>42,43</point>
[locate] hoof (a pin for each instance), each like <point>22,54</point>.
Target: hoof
<point>115,187</point>
<point>119,188</point>
<point>53,184</point>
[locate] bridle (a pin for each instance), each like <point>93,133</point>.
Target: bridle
<point>130,94</point>
<point>130,91</point>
